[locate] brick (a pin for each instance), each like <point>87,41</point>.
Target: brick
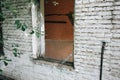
<point>95,21</point>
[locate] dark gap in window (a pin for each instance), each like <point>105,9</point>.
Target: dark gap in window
<point>1,36</point>
<point>56,61</point>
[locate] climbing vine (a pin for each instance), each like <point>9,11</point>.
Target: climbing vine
<point>18,24</point>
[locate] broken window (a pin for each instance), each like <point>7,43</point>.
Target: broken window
<point>56,28</point>
<point>59,29</point>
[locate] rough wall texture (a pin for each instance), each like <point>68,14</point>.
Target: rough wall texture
<point>95,21</point>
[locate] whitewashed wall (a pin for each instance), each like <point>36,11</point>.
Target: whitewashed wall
<point>95,21</point>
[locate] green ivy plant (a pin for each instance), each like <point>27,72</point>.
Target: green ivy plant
<point>19,26</point>
<point>5,60</point>
<point>24,27</point>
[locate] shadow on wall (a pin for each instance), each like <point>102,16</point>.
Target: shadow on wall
<point>5,78</point>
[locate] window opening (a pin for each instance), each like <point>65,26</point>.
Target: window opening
<point>59,29</point>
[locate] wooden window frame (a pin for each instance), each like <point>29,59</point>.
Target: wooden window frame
<point>38,44</point>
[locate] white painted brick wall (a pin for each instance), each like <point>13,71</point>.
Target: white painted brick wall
<point>95,21</point>
<point>93,27</point>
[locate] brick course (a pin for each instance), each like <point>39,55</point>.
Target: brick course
<point>95,21</point>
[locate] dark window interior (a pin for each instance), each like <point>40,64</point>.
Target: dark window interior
<point>59,29</point>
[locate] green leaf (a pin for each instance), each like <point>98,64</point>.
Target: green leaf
<point>2,18</point>
<point>2,5</point>
<point>15,54</point>
<point>14,11</point>
<point>31,32</point>
<point>17,22</point>
<point>15,51</point>
<point>12,45</point>
<point>18,25</point>
<point>16,45</point>
<point>8,59</point>
<point>7,7</point>
<point>5,63</point>
<point>37,34</point>
<point>24,27</point>
<point>36,2</point>
<point>1,71</point>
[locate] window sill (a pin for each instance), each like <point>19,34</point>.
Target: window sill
<point>52,62</point>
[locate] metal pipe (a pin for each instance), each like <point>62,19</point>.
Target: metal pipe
<point>101,61</point>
